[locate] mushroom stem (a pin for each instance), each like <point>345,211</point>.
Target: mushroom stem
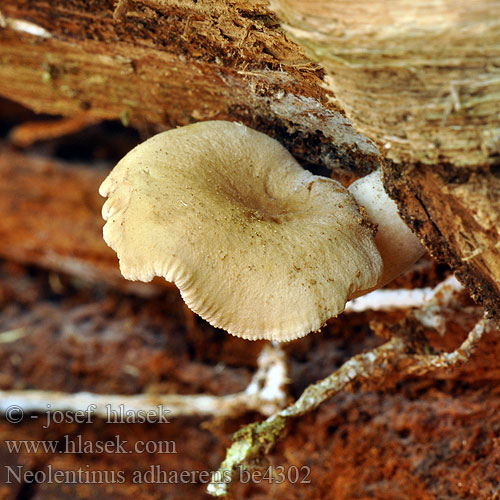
<point>397,245</point>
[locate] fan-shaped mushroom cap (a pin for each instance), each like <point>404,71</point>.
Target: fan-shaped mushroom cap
<point>257,245</point>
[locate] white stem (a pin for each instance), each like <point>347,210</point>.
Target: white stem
<point>397,245</point>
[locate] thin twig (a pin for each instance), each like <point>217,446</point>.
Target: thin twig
<point>395,299</point>
<point>265,394</point>
<point>389,300</point>
<point>426,362</point>
<point>395,357</point>
<point>442,299</point>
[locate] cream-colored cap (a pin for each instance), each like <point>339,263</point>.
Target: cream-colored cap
<point>256,245</point>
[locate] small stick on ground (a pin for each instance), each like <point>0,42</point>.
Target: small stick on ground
<point>265,394</point>
<point>428,300</point>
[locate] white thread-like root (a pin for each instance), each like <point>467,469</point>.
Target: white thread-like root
<point>265,394</point>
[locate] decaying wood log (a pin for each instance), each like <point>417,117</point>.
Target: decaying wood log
<point>173,63</point>
<point>420,78</point>
<point>456,213</point>
<point>422,81</point>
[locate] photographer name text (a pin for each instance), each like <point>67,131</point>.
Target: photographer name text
<point>113,415</point>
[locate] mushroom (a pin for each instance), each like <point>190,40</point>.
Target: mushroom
<point>256,245</point>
